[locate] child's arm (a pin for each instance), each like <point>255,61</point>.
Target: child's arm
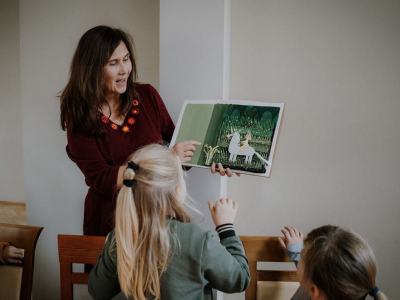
<point>224,262</point>
<point>292,241</point>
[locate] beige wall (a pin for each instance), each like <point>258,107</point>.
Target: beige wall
<point>11,167</point>
<point>336,66</point>
<point>55,189</point>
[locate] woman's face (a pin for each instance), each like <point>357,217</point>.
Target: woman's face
<point>117,70</point>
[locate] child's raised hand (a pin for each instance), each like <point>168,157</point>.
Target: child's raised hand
<point>291,236</point>
<point>223,211</point>
<point>13,255</point>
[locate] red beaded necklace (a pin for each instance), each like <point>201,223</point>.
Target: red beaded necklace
<point>126,127</point>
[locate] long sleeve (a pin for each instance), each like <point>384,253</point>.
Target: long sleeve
<point>103,278</point>
<point>99,175</point>
<point>225,264</point>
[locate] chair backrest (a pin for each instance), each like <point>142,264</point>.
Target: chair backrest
<point>265,249</point>
<point>76,249</point>
<point>12,212</point>
<point>23,236</point>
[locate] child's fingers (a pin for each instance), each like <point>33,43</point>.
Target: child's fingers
<point>211,207</point>
<point>235,205</point>
<point>285,232</point>
<point>228,172</point>
<point>230,202</point>
<point>222,200</point>
<point>291,231</point>
<point>296,231</point>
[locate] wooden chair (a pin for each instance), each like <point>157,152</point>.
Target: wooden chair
<point>21,236</point>
<point>267,249</point>
<point>12,212</point>
<point>76,249</point>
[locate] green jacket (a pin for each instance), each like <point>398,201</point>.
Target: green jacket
<point>201,264</point>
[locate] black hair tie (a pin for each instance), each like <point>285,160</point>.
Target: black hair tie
<point>131,183</point>
<point>374,292</point>
<point>132,165</point>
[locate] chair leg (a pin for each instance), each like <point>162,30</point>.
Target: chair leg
<point>66,287</point>
<point>251,292</point>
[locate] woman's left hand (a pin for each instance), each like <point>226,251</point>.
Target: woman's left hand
<point>220,169</point>
<point>185,149</point>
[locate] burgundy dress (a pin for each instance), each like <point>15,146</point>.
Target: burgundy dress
<point>99,157</point>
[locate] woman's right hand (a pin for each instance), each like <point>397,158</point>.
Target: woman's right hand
<point>185,150</point>
<point>223,211</point>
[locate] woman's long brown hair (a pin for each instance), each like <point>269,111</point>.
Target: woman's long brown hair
<point>84,93</point>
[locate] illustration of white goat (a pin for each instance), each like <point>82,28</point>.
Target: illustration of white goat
<point>235,149</point>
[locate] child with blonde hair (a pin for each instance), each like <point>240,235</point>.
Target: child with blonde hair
<point>335,264</point>
<point>154,251</point>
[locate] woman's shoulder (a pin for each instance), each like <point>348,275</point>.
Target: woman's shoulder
<point>145,88</point>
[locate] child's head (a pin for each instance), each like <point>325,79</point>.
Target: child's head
<point>337,265</point>
<point>153,191</point>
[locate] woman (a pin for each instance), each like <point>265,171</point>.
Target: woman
<point>107,116</point>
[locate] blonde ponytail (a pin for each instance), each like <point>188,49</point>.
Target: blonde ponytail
<point>154,189</point>
<point>126,232</point>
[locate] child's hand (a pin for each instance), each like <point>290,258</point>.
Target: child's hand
<point>291,235</point>
<point>292,241</point>
<point>13,255</point>
<point>223,211</point>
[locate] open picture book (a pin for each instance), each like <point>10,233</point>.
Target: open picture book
<point>241,135</point>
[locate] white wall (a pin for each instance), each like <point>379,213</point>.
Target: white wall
<point>54,187</point>
<point>11,170</point>
<point>336,65</point>
<point>191,64</point>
